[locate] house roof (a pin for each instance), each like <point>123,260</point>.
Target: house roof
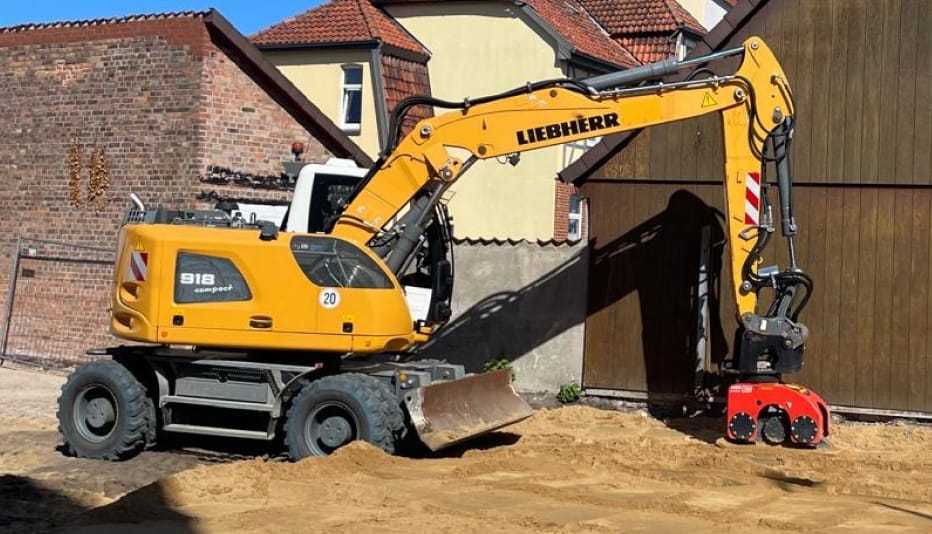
<point>642,16</point>
<point>340,22</point>
<point>225,37</point>
<point>570,22</point>
<point>579,171</point>
<point>577,27</point>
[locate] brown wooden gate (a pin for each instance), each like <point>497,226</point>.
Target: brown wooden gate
<point>862,77</point>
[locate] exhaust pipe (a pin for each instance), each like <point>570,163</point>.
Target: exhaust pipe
<point>137,202</point>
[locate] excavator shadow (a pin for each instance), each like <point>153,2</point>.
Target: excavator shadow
<point>492,440</point>
<point>656,262</point>
<point>30,505</point>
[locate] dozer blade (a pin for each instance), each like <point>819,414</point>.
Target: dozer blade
<point>447,413</point>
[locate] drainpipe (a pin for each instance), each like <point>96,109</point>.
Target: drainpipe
<point>378,94</point>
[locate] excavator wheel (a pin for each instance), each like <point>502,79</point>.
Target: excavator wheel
<point>336,410</point>
<point>104,413</point>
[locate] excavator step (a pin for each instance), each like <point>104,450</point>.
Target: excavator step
<point>216,431</point>
<point>217,403</point>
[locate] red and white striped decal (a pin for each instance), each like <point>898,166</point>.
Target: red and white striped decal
<point>138,266</point>
<point>752,199</point>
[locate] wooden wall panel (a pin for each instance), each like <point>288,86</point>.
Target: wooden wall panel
<point>860,70</point>
<point>868,249</point>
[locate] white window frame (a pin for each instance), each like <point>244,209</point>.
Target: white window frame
<point>575,216</point>
<point>345,89</point>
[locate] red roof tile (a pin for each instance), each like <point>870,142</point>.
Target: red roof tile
<point>570,20</point>
<point>339,21</point>
<point>403,78</point>
<point>649,48</point>
<point>642,16</point>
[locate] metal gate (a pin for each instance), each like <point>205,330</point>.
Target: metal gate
<point>57,303</point>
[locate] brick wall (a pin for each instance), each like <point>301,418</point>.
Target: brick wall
<point>241,127</point>
<point>160,101</point>
<point>561,208</point>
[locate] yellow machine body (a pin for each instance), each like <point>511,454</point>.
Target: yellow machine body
<point>284,310</point>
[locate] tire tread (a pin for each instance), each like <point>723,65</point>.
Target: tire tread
<point>386,416</point>
<point>134,436</point>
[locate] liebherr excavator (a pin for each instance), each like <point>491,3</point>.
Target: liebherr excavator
<point>249,329</point>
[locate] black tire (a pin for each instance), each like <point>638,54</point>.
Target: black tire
<point>335,410</point>
<point>152,424</point>
<point>104,413</point>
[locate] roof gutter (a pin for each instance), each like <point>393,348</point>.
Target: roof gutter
<point>283,91</point>
<point>370,44</point>
<point>365,45</point>
<point>591,63</point>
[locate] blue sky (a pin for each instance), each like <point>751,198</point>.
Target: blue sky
<point>247,15</point>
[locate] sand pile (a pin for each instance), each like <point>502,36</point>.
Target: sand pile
<point>574,469</point>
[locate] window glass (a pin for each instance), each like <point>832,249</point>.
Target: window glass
<point>574,204</point>
<point>200,278</point>
<point>329,262</point>
<point>572,230</point>
<point>574,218</point>
<point>352,75</point>
<point>351,105</point>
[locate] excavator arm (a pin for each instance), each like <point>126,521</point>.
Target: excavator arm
<point>756,107</point>
<point>754,102</point>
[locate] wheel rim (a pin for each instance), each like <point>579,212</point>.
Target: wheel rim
<point>329,426</point>
<point>95,413</point>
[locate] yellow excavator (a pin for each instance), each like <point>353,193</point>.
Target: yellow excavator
<point>305,330</point>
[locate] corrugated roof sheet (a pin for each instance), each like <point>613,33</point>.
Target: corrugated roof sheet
<point>99,22</point>
<point>513,242</point>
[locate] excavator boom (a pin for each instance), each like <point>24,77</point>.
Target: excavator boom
<point>752,102</point>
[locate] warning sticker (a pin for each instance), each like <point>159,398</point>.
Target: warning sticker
<point>138,266</point>
<point>708,100</point>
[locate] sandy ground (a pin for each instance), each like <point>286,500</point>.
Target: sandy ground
<point>574,469</point>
